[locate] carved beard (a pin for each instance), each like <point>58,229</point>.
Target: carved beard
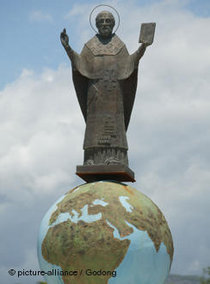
<point>105,31</point>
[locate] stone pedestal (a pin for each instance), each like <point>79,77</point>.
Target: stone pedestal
<point>91,173</point>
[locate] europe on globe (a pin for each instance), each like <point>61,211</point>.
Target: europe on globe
<point>105,233</point>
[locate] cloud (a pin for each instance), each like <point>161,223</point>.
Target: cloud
<point>42,134</point>
<point>38,116</point>
<point>40,16</point>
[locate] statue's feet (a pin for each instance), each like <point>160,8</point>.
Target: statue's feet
<point>89,163</point>
<point>112,161</point>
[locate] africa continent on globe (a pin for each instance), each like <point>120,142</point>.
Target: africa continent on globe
<point>107,233</point>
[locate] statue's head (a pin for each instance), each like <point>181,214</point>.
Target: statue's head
<point>105,23</point>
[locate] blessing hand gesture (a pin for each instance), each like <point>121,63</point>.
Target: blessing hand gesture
<point>64,38</point>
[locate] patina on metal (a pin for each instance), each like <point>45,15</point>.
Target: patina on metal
<point>105,80</point>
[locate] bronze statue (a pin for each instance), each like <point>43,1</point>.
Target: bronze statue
<point>105,80</point>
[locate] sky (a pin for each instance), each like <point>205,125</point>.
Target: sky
<point>42,128</point>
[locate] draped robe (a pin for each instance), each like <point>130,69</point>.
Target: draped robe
<point>105,80</point>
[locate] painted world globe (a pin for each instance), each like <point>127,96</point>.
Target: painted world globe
<point>104,233</point>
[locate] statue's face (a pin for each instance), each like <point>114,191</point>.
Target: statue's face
<point>105,24</point>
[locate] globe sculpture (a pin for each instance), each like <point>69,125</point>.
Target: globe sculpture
<point>104,232</point>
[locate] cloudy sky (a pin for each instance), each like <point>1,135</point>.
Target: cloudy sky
<point>42,127</point>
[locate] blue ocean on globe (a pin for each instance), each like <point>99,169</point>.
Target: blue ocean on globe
<point>142,264</point>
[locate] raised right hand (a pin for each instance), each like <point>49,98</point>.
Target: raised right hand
<point>64,38</point>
